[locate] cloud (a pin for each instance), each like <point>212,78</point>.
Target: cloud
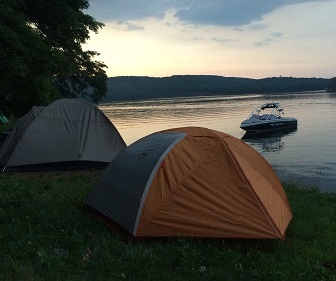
<point>257,27</point>
<point>277,34</point>
<point>267,41</point>
<point>225,13</point>
<point>115,10</point>
<point>263,42</point>
<point>129,26</point>
<point>223,40</point>
<point>197,12</point>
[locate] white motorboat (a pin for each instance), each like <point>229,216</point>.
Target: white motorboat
<point>268,116</point>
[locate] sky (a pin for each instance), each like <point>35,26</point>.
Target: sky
<point>232,38</point>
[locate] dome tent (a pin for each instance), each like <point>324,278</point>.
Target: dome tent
<point>191,182</point>
<point>66,134</point>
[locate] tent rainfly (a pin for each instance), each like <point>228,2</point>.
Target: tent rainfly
<point>67,134</point>
<point>191,182</point>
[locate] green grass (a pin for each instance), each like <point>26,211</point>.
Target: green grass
<point>45,235</point>
<point>8,126</point>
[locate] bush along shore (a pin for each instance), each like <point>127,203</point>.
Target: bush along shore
<point>45,235</point>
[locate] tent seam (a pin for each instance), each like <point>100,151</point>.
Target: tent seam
<point>150,179</point>
<point>261,205</point>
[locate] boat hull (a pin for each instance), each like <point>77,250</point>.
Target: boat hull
<point>266,126</point>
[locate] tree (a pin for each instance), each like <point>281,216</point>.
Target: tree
<point>332,85</point>
<point>41,54</point>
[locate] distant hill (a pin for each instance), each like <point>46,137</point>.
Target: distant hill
<point>125,88</point>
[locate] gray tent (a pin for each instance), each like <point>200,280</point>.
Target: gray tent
<point>68,133</point>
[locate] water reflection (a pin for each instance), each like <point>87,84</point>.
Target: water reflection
<point>268,141</point>
<point>305,153</point>
<point>177,110</point>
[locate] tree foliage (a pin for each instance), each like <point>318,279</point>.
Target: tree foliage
<point>41,52</point>
<point>136,88</point>
<point>332,85</point>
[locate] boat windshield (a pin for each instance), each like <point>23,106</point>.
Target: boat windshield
<point>267,111</point>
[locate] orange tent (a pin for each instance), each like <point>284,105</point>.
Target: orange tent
<point>192,182</point>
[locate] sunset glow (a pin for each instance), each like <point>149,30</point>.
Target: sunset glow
<point>295,39</point>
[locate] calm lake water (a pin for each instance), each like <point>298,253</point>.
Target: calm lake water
<point>306,155</point>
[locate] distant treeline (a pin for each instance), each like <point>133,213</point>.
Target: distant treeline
<point>125,88</point>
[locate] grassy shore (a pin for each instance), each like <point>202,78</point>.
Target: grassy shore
<point>45,235</point>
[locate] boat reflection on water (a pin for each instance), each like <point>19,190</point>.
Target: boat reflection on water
<point>268,141</point>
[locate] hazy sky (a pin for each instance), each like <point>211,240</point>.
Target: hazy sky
<point>240,38</point>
